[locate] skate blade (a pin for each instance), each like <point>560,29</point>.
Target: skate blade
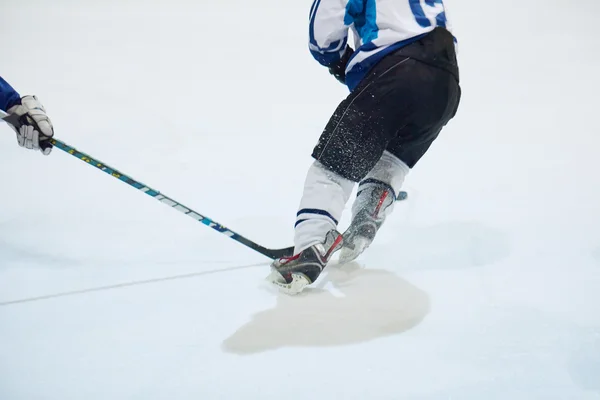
<point>299,282</point>
<point>347,254</point>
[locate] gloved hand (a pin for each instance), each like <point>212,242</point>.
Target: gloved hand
<point>339,69</point>
<point>36,128</point>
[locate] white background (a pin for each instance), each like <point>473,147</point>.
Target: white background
<point>484,284</point>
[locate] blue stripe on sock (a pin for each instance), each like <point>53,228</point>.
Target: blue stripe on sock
<point>299,221</point>
<point>316,211</point>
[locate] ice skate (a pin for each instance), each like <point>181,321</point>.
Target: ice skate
<point>373,203</point>
<point>293,274</point>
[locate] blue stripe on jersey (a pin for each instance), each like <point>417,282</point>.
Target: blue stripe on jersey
<point>327,59</point>
<point>8,96</point>
<point>422,20</point>
<point>363,13</point>
<point>360,70</point>
<point>331,54</point>
<point>441,19</point>
<point>417,10</point>
<point>311,27</point>
<point>312,9</point>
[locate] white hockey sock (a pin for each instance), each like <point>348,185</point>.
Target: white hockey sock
<point>389,170</point>
<point>325,195</point>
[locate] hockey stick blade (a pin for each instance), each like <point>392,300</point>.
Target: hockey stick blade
<point>270,253</point>
<point>279,253</point>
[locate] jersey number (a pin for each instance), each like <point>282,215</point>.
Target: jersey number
<point>421,17</point>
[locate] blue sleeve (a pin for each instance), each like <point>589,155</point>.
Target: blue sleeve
<point>8,96</point>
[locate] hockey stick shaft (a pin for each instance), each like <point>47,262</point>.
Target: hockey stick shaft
<point>271,253</point>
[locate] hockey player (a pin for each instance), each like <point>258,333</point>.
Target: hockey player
<point>404,88</point>
<point>36,128</point>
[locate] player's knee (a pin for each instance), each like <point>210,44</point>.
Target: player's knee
<point>348,161</point>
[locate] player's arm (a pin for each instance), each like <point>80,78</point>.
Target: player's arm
<point>35,127</point>
<point>328,35</point>
<point>8,96</point>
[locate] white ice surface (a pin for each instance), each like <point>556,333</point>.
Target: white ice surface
<point>485,284</point>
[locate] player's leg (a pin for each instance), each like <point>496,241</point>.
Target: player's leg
<point>435,95</point>
<point>351,144</point>
<point>375,200</point>
<point>387,106</point>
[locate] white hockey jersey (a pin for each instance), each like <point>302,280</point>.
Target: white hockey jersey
<point>379,27</point>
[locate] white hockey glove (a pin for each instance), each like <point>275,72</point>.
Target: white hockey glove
<point>35,128</point>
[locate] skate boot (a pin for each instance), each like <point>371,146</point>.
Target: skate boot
<point>292,274</point>
<point>374,202</point>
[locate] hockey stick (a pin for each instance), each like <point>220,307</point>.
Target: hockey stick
<point>271,253</point>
